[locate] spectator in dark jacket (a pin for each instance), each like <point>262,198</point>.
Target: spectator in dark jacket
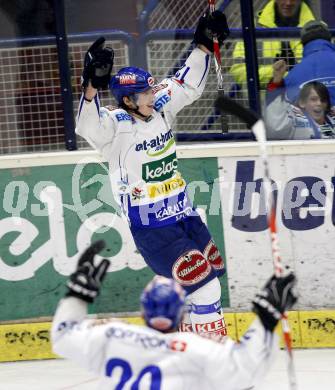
<point>318,62</point>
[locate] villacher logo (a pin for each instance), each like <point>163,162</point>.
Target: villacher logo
<point>191,268</point>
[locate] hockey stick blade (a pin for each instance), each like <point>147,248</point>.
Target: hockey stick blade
<point>229,106</point>
<point>251,118</point>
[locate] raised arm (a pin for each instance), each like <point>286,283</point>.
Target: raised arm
<point>93,123</point>
<point>72,337</point>
<point>279,113</point>
<point>189,82</point>
<point>243,365</point>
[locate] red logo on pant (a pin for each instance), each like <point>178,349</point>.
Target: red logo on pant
<point>184,327</point>
<point>218,326</point>
<point>191,268</point>
<point>212,254</point>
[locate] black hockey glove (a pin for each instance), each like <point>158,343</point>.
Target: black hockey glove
<point>86,281</point>
<point>98,64</point>
<point>275,298</point>
<point>209,25</point>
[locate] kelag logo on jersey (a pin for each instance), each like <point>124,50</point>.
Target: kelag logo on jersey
<point>158,145</point>
<point>161,169</point>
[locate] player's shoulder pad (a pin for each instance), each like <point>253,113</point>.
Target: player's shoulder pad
<point>162,92</point>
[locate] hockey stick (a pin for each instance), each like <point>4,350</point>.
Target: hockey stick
<point>218,69</point>
<point>256,124</point>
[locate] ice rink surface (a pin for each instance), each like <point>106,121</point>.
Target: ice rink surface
<point>315,370</point>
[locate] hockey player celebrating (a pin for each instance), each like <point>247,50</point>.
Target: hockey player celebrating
<point>137,141</point>
<point>155,356</point>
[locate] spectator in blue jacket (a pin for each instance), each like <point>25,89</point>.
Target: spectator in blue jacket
<point>317,64</point>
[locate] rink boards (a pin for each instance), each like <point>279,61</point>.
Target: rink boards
<point>313,329</point>
<point>54,203</point>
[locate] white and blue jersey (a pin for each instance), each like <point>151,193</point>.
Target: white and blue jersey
<point>131,357</point>
<point>143,165</point>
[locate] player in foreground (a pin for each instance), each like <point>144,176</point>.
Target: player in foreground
<point>155,356</point>
<point>137,141</point>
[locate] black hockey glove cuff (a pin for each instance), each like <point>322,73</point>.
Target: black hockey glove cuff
<point>275,298</point>
<point>287,55</point>
<point>98,65</point>
<point>86,281</point>
<point>208,25</point>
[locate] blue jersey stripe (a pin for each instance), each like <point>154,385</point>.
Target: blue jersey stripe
<point>81,104</point>
<point>206,68</point>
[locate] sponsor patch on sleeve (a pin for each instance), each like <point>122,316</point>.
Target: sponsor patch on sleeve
<point>161,101</point>
<point>123,116</point>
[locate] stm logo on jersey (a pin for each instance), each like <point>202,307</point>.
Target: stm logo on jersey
<point>157,143</point>
<point>160,102</point>
<point>126,79</point>
<point>160,170</point>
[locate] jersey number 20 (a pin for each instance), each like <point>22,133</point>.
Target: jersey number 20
<point>127,373</point>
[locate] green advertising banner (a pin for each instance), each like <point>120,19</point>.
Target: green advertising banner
<point>50,213</point>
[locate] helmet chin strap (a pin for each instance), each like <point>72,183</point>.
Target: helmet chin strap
<point>136,111</point>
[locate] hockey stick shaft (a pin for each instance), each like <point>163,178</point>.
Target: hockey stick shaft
<point>218,69</point>
<point>260,132</point>
<point>257,126</point>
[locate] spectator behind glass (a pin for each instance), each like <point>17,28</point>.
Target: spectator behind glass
<point>318,62</point>
<point>310,117</point>
<point>276,13</point>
